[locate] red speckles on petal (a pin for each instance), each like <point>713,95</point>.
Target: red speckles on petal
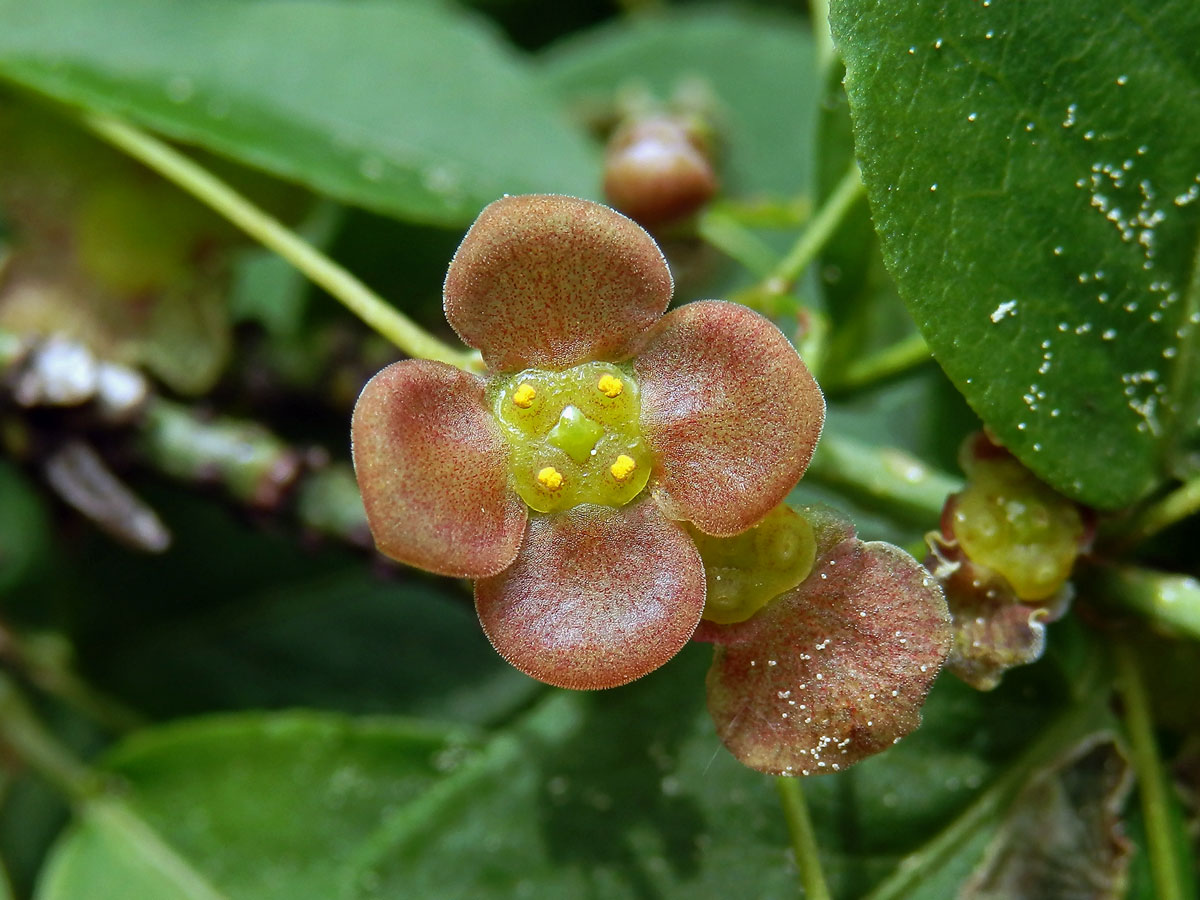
<point>545,281</point>
<point>432,468</point>
<point>835,669</point>
<point>597,596</point>
<point>731,413</point>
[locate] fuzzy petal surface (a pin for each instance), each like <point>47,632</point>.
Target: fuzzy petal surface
<point>730,411</point>
<point>834,670</point>
<point>432,468</point>
<point>546,281</point>
<point>596,598</point>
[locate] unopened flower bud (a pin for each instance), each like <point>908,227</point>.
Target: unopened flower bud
<point>657,169</point>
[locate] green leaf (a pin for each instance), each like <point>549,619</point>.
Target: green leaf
<point>1033,171</point>
<point>613,792</point>
<point>414,110</point>
<point>240,617</point>
<point>252,806</point>
<point>759,70</point>
<point>607,794</point>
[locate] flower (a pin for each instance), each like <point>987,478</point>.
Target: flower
<point>559,481</point>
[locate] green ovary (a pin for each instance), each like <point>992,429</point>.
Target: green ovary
<point>1012,523</point>
<point>574,436</point>
<point>745,572</point>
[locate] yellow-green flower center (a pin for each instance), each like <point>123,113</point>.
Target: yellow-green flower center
<point>574,436</point>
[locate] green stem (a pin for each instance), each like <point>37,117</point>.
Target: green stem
<point>901,356</point>
<point>271,233</point>
<point>736,241</point>
<point>1074,724</point>
<point>818,233</point>
<point>46,661</point>
<point>883,475</point>
<point>1184,501</point>
<point>253,465</point>
<point>1168,600</point>
<point>766,213</point>
<point>1165,869</point>
<point>804,838</point>
<point>823,36</point>
<point>21,731</point>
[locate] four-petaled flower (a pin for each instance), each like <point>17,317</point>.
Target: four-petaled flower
<point>560,480</point>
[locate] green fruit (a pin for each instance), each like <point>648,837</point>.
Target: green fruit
<point>1015,525</point>
<point>745,572</point>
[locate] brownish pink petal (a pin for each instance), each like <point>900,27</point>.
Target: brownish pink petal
<point>547,281</point>
<point>994,631</point>
<point>835,669</point>
<point>731,413</point>
<point>432,469</point>
<point>596,598</point>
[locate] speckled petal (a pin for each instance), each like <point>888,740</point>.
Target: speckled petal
<point>993,630</point>
<point>835,669</point>
<point>596,598</point>
<point>731,413</point>
<point>546,281</point>
<point>432,469</point>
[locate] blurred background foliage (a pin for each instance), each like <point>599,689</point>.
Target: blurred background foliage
<point>188,601</point>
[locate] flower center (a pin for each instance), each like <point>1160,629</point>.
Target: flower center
<point>575,436</point>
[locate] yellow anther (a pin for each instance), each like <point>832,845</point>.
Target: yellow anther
<point>550,478</point>
<point>523,395</point>
<point>623,467</point>
<point>610,386</point>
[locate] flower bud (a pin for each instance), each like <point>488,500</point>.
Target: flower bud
<point>657,169</point>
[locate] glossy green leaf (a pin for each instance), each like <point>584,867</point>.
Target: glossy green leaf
<point>757,70</point>
<point>252,806</point>
<point>1033,171</point>
<point>415,110</point>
